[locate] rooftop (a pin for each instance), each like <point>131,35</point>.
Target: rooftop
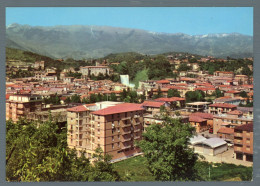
<point>152,104</point>
<point>223,105</point>
<point>120,108</point>
<point>81,108</point>
<point>226,130</point>
<point>247,127</point>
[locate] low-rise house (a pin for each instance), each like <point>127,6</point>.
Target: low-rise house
<point>224,74</point>
<point>197,106</point>
<point>199,123</point>
<point>173,102</point>
<point>221,108</point>
<point>226,133</point>
<point>153,106</point>
<point>232,93</point>
<point>211,146</point>
<point>229,100</point>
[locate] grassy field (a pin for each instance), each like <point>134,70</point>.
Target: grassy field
<point>135,169</point>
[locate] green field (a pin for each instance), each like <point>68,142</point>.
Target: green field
<point>135,169</point>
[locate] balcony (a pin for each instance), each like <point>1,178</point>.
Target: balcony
<point>237,141</point>
<point>126,147</point>
<point>137,137</point>
<point>126,118</point>
<point>137,130</point>
<point>136,116</point>
<point>238,134</point>
<point>236,148</point>
<point>20,112</point>
<point>126,132</point>
<point>126,125</point>
<point>126,139</point>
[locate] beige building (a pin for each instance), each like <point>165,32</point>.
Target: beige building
<point>20,105</point>
<point>94,70</point>
<point>230,120</point>
<point>243,142</point>
<point>113,126</point>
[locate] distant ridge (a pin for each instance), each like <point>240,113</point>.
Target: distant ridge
<point>84,41</point>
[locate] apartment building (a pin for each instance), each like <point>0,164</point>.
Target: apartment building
<point>113,128</point>
<point>20,105</point>
<point>230,120</point>
<point>243,142</point>
<point>221,108</point>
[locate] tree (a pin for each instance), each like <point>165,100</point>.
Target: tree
<point>192,96</point>
<point>243,94</point>
<point>173,93</point>
<point>166,148</point>
<point>39,152</point>
<point>184,67</point>
<point>218,93</point>
<point>75,99</point>
<point>113,97</point>
<point>103,170</point>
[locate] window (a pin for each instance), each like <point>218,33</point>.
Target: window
<point>118,136</point>
<point>112,145</point>
<point>112,116</point>
<point>112,138</point>
<point>118,144</point>
<point>125,114</point>
<point>98,138</point>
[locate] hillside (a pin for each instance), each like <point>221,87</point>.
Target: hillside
<point>84,41</point>
<point>30,57</point>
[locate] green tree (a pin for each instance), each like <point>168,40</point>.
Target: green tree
<point>113,97</point>
<point>192,96</point>
<point>75,98</point>
<point>243,94</point>
<point>173,93</point>
<point>103,170</point>
<point>166,148</point>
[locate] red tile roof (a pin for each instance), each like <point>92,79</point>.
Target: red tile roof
<point>120,108</point>
<point>152,104</point>
<point>204,88</point>
<point>223,105</point>
<point>196,119</point>
<point>203,115</point>
<point>172,99</point>
<point>247,127</point>
<point>233,91</point>
<point>80,108</point>
<point>163,82</point>
<point>235,112</point>
<point>226,130</point>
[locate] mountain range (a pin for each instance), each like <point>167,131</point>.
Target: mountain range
<point>86,41</point>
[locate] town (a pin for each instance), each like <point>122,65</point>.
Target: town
<point>112,113</point>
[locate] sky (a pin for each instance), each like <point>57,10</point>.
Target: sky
<point>188,20</point>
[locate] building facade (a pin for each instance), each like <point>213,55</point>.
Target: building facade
<point>20,105</point>
<point>243,142</point>
<point>114,129</point>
